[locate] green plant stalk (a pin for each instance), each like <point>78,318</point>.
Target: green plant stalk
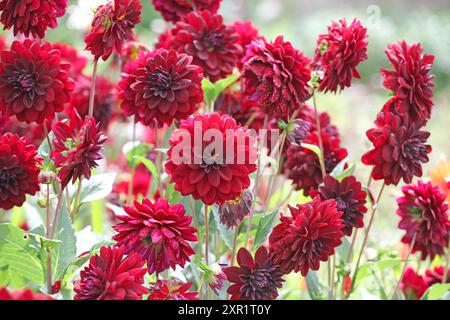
<point>413,242</point>
<point>74,208</point>
<point>233,252</point>
<point>206,243</point>
<point>133,167</point>
<point>319,135</point>
<point>47,234</point>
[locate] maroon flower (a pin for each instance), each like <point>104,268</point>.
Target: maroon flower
<point>141,183</point>
<point>164,40</point>
<point>247,33</point>
<point>174,10</point>
<point>412,285</point>
<point>276,76</point>
<point>72,56</point>
<point>231,213</point>
<point>33,133</point>
<point>299,131</point>
<point>34,83</point>
<point>309,236</point>
<point>171,290</point>
<point>112,26</point>
<point>25,294</point>
<point>436,275</point>
<point>350,200</point>
<point>31,16</point>
<point>338,54</point>
<point>410,80</point>
<point>161,85</point>
<point>159,232</point>
<point>399,146</point>
<point>112,276</point>
<point>213,177</point>
<point>212,44</point>
<point>423,213</point>
<point>77,148</point>
<point>19,170</point>
<point>257,279</point>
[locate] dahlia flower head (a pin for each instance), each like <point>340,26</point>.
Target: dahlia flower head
<point>436,275</point>
<point>247,33</point>
<point>174,10</point>
<point>157,231</point>
<point>211,174</point>
<point>31,17</point>
<point>24,294</point>
<point>172,290</point>
<point>111,275</point>
<point>399,146</point>
<point>34,82</point>
<point>161,86</point>
<point>412,285</point>
<point>423,215</point>
<point>276,77</point>
<point>19,170</point>
<point>112,26</point>
<point>254,279</point>
<point>32,132</point>
<point>309,235</point>
<point>233,212</point>
<point>213,45</point>
<point>410,80</point>
<point>338,53</point>
<point>78,144</point>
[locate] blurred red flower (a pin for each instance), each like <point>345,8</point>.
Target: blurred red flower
<point>174,10</point>
<point>171,290</point>
<point>412,285</point>
<point>25,294</point>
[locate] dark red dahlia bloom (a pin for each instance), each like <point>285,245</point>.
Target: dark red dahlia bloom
<point>141,183</point>
<point>308,236</point>
<point>172,290</point>
<point>19,170</point>
<point>3,44</point>
<point>161,85</point>
<point>257,279</point>
<point>112,276</point>
<point>423,213</point>
<point>31,16</point>
<point>276,76</point>
<point>112,26</point>
<point>350,200</point>
<point>247,33</point>
<point>71,56</point>
<point>159,232</point>
<point>34,83</point>
<point>299,131</point>
<point>214,175</point>
<point>410,80</point>
<point>33,133</point>
<point>25,294</point>
<point>104,99</point>
<point>174,10</point>
<point>436,275</point>
<point>164,40</point>
<point>213,45</point>
<point>231,213</point>
<point>338,54</point>
<point>78,145</point>
<point>412,285</point>
<point>400,147</point>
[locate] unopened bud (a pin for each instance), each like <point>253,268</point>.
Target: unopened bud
<point>42,202</point>
<point>47,177</point>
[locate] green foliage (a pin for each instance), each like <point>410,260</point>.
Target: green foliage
<point>264,228</point>
<point>436,291</point>
<point>213,90</point>
<point>315,288</point>
<point>97,187</point>
<point>135,151</point>
<point>226,234</point>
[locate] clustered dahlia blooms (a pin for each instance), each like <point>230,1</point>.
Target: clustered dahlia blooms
<point>31,16</point>
<point>276,76</point>
<point>77,145</point>
<point>161,86</point>
<point>19,170</point>
<point>423,213</point>
<point>338,54</point>
<point>213,45</point>
<point>34,82</point>
<point>171,290</point>
<point>310,235</point>
<point>159,232</point>
<point>174,10</point>
<point>211,177</point>
<point>111,275</point>
<point>25,294</point>
<point>254,279</point>
<point>112,26</point>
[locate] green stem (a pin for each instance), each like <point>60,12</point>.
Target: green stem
<point>133,167</point>
<point>413,242</point>
<point>319,135</point>
<point>233,252</point>
<point>47,234</point>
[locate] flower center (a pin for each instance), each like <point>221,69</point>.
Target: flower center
<point>213,40</point>
<point>414,149</point>
<point>23,81</point>
<point>211,162</point>
<point>161,80</point>
<point>258,284</point>
<point>6,178</point>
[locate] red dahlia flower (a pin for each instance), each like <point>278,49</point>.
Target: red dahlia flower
<point>276,76</point>
<point>33,133</point>
<point>338,54</point>
<point>34,83</point>
<point>399,146</point>
<point>423,213</point>
<point>247,33</point>
<point>257,279</point>
<point>410,80</point>
<point>112,26</point>
<point>31,16</point>
<point>141,183</point>
<point>25,294</point>
<point>350,200</point>
<point>436,275</point>
<point>213,45</point>
<point>171,290</point>
<point>159,232</point>
<point>3,43</point>
<point>77,148</point>
<point>19,170</point>
<point>231,213</point>
<point>161,85</point>
<point>71,56</point>
<point>412,285</point>
<point>174,10</point>
<point>212,177</point>
<point>112,276</point>
<point>309,236</point>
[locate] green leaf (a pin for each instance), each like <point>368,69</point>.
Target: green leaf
<point>172,195</point>
<point>226,234</point>
<point>98,187</point>
<point>97,209</point>
<point>313,285</point>
<point>436,291</point>
<point>16,252</point>
<point>149,165</point>
<point>138,150</point>
<point>44,148</point>
<point>213,90</point>
<point>264,228</point>
<point>312,148</point>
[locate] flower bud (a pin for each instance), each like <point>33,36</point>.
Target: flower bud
<point>42,202</point>
<point>47,177</point>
